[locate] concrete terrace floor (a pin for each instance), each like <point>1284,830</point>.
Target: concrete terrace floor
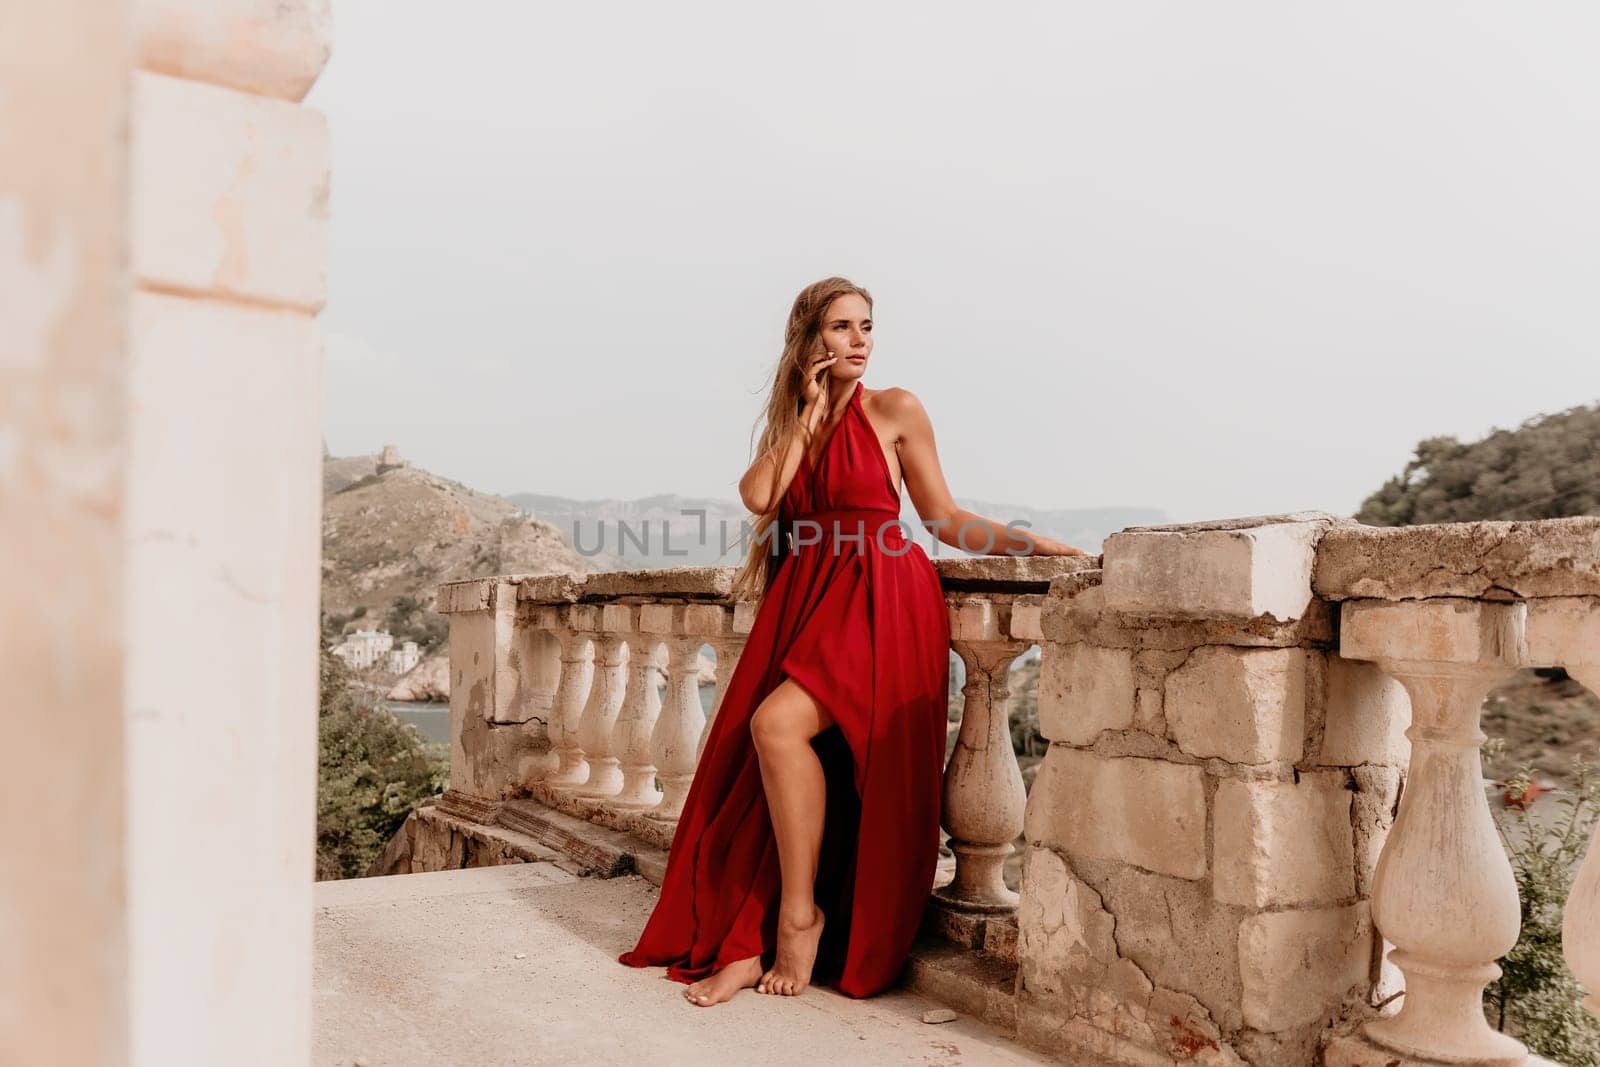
<point>517,965</point>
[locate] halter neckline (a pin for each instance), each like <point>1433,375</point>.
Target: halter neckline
<point>854,402</point>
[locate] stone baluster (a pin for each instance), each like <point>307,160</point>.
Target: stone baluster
<point>1444,894</point>
<point>678,730</point>
<point>1565,632</point>
<point>984,796</point>
<point>572,690</point>
<point>1580,921</point>
<point>728,649</point>
<point>630,738</point>
<point>605,624</point>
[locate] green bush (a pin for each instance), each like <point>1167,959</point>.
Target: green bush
<point>373,771</point>
<point>1536,998</point>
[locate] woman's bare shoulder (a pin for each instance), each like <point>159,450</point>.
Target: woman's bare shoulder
<point>894,406</point>
<point>892,401</point>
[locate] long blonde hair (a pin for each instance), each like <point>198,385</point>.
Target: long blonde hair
<point>801,343</point>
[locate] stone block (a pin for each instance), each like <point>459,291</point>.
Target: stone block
<point>662,582</point>
<point>619,618</point>
<point>707,620</point>
<point>1007,574</point>
<point>1564,630</point>
<point>1444,630</point>
<point>483,678</point>
<point>1366,716</point>
<point>551,588</point>
<point>1237,704</point>
<point>1084,690</point>
<point>267,47</point>
<point>492,760</point>
<point>543,617</point>
<point>1148,713</point>
<point>473,595</point>
<point>1026,616</point>
<point>1064,933</point>
<point>1146,812</point>
<point>1177,933</point>
<point>976,620</point>
<point>656,618</point>
<point>1283,843</point>
<point>1212,573</point>
<point>1297,966</point>
<point>1151,666</point>
<point>1373,807</point>
<point>196,414</point>
<point>1498,560</point>
<point>230,194</point>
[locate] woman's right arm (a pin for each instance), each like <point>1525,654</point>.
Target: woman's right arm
<point>756,487</point>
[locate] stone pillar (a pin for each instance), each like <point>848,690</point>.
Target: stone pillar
<point>497,741</point>
<point>577,670</point>
<point>983,790</point>
<point>1565,631</point>
<point>228,251</point>
<point>64,894</point>
<point>630,738</point>
<point>677,732</point>
<point>728,641</point>
<point>728,650</point>
<point>162,237</point>
<point>1444,893</point>
<point>606,694</point>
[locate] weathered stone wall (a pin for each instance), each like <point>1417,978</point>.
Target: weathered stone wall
<point>1227,705</point>
<point>1203,830</point>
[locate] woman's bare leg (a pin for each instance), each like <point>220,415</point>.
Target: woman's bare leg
<point>796,790</point>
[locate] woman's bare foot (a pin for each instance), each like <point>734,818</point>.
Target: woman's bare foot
<point>797,953</point>
<point>725,983</point>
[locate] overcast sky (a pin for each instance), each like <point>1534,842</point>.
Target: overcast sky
<point>1220,259</point>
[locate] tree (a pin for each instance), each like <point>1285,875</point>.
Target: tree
<point>1547,468</point>
<point>373,770</point>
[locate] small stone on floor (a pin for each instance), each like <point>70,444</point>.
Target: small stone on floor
<point>939,1015</point>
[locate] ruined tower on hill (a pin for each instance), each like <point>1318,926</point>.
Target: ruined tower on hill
<point>390,460</point>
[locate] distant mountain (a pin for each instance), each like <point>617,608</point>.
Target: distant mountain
<point>611,533</point>
<point>1085,528</point>
<point>390,538</point>
<point>652,531</point>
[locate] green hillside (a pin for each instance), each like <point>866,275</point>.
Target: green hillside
<point>1547,468</point>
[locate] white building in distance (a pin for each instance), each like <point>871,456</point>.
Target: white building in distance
<point>365,649</point>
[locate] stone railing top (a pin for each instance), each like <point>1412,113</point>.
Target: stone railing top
<point>1272,569</point>
<point>977,574</point>
<point>1009,574</point>
<point>1484,560</point>
<point>1248,522</point>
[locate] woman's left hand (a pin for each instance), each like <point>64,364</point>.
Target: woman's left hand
<point>1045,546</point>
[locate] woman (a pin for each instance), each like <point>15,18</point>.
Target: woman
<point>810,833</point>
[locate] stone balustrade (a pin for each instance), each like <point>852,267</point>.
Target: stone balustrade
<point>555,694</point>
<point>1259,832</point>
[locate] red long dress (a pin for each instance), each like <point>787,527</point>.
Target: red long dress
<point>862,625</point>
